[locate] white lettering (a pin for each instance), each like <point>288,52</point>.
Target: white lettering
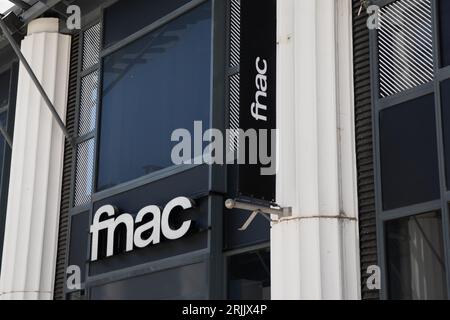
<point>97,226</point>
<point>167,231</point>
<point>158,224</point>
<point>261,86</point>
<point>127,220</point>
<point>155,223</point>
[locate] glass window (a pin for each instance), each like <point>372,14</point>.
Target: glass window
<point>4,89</point>
<point>415,258</point>
<point>125,17</point>
<point>182,283</point>
<point>6,111</point>
<point>153,86</point>
<point>444,15</point>
<point>409,162</point>
<point>249,276</point>
<point>258,232</point>
<point>79,233</point>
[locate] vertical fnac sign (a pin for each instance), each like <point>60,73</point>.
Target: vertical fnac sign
<point>258,89</point>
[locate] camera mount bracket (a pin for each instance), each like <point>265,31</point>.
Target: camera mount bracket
<point>255,209</point>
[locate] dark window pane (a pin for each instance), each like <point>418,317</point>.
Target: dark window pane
<point>182,283</point>
<point>409,165</point>
<point>7,109</point>
<point>257,232</point>
<point>4,88</point>
<point>445,101</point>
<point>3,143</point>
<point>249,276</point>
<point>128,16</point>
<point>79,233</point>
<point>415,258</point>
<point>4,179</point>
<point>159,83</point>
<point>444,14</point>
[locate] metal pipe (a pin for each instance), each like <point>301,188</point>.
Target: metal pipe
<point>33,77</point>
<point>6,136</point>
<point>38,9</point>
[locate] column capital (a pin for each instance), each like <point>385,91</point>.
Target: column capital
<point>43,25</point>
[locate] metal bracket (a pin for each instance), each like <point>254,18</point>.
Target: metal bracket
<point>33,77</point>
<point>266,212</point>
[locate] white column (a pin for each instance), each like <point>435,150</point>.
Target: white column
<point>315,254</point>
<point>31,232</point>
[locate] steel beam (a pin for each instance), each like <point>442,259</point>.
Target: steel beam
<point>37,10</point>
<point>21,4</point>
<point>6,136</point>
<point>33,77</point>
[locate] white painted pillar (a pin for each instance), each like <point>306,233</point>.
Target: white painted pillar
<point>315,254</point>
<point>31,232</point>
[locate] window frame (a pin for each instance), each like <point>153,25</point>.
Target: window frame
<point>212,255</point>
<point>379,104</point>
<point>13,68</point>
<point>105,52</point>
<point>218,114</point>
<point>80,139</point>
<point>419,221</point>
<point>237,252</point>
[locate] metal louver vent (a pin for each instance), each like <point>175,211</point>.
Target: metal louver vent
<point>91,46</point>
<point>87,116</point>
<point>364,149</point>
<point>234,78</point>
<point>234,112</point>
<point>63,230</point>
<point>405,46</point>
<point>235,33</point>
<point>84,172</point>
<point>88,103</point>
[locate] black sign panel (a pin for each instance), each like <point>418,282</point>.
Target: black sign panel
<point>157,193</point>
<point>258,93</point>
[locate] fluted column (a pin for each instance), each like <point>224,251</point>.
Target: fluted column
<point>31,231</point>
<point>315,252</point>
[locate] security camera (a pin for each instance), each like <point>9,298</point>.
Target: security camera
<point>255,209</point>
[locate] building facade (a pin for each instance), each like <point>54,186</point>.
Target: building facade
<point>347,199</point>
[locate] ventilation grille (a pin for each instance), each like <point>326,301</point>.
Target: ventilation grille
<point>60,273</point>
<point>234,112</point>
<point>235,33</point>
<point>87,117</point>
<point>234,78</point>
<point>91,46</point>
<point>364,149</point>
<point>405,46</point>
<point>84,172</point>
<point>88,103</point>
